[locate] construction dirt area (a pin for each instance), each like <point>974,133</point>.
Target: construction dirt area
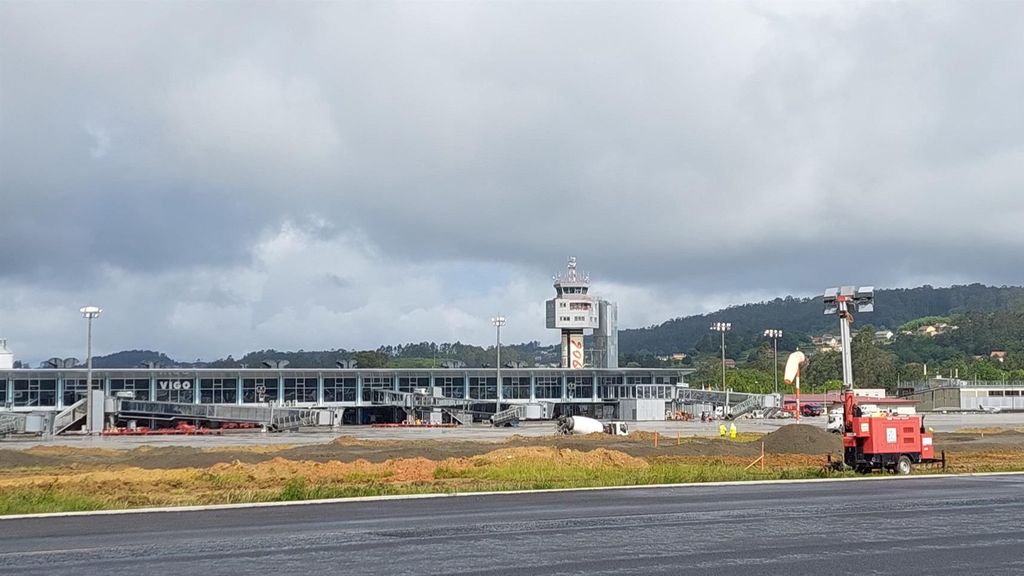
<point>48,477</point>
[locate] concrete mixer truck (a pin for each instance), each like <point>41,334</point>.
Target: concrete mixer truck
<point>574,425</point>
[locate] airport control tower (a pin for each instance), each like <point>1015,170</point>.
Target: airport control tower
<point>574,310</point>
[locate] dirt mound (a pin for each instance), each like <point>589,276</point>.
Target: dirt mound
<point>801,439</point>
<point>599,457</point>
<point>23,458</point>
<point>166,457</point>
<point>277,469</point>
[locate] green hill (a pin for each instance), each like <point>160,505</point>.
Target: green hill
<point>802,317</point>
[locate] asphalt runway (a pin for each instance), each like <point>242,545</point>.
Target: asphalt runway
<point>908,526</point>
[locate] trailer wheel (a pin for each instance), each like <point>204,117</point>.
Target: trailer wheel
<point>903,465</point>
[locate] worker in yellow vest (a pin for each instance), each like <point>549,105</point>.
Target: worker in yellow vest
<point>732,430</point>
<point>721,430</point>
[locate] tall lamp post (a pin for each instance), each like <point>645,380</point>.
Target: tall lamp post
<point>89,313</point>
<point>775,334</point>
<point>498,322</point>
<point>722,328</point>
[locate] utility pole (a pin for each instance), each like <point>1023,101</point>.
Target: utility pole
<point>722,328</point>
<point>498,322</point>
<point>775,334</point>
<point>89,313</point>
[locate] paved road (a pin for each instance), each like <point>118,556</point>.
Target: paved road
<point>478,432</point>
<point>915,526</point>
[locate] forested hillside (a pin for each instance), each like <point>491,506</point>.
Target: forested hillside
<point>802,317</point>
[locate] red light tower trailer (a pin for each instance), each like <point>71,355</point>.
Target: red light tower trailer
<point>884,442</point>
<point>873,442</point>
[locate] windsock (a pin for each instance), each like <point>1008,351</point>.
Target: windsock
<point>793,364</point>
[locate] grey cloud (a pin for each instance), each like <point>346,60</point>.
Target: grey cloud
<point>714,148</point>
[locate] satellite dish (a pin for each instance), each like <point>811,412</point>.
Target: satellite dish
<point>796,359</point>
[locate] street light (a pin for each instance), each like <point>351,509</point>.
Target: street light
<point>775,334</point>
<point>722,327</point>
<point>89,313</point>
<point>843,301</point>
<point>498,322</point>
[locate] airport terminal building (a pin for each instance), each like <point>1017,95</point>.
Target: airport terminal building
<point>356,396</point>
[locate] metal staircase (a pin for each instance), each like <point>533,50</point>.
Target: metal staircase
<point>509,415</point>
<point>754,402</point>
<point>67,417</point>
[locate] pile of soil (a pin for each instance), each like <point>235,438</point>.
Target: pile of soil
<point>599,457</point>
<point>802,439</point>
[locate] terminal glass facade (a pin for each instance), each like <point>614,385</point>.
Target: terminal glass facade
<point>516,388</point>
<point>372,383</point>
<point>139,387</point>
<point>409,384</point>
<point>549,387</point>
<point>340,389</point>
<point>300,390</point>
<point>74,389</point>
<point>579,386</point>
<point>170,388</point>
<point>35,392</point>
<point>218,390</point>
<point>483,388</point>
<point>29,389</point>
<point>259,390</point>
<point>452,387</point>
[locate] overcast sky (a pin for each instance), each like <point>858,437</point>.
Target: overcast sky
<point>222,177</point>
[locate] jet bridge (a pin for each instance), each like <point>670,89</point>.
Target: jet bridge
<point>273,417</point>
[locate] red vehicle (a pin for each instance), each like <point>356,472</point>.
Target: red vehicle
<point>888,442</point>
<point>811,410</point>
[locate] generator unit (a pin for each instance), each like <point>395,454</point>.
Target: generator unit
<point>884,442</point>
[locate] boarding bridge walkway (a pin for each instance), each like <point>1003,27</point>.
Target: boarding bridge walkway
<point>273,417</point>
<point>420,401</point>
<point>12,424</point>
<point>737,403</point>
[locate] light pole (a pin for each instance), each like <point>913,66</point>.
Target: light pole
<point>89,313</point>
<point>498,322</point>
<point>722,328</point>
<point>775,334</point>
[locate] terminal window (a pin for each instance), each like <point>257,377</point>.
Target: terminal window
<point>409,384</point>
<point>139,387</point>
<point>376,383</point>
<point>301,390</point>
<point>483,388</point>
<point>516,388</point>
<point>218,390</point>
<point>35,393</point>
<point>253,389</point>
<point>579,386</point>
<point>340,389</point>
<point>453,387</point>
<point>74,389</point>
<point>548,387</point>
